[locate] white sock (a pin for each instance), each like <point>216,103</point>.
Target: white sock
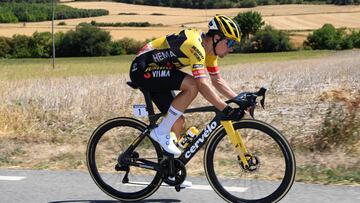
<point>168,121</point>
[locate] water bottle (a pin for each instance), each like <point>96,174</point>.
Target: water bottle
<point>173,137</point>
<point>189,136</point>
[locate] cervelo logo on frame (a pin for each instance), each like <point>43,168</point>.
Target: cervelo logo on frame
<point>209,128</point>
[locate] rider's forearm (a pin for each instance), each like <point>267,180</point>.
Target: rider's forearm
<point>209,94</point>
<point>221,85</point>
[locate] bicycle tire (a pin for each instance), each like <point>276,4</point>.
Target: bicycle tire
<point>102,139</point>
<point>219,179</point>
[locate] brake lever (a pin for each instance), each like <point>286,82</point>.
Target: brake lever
<point>262,92</point>
<point>238,99</point>
<point>262,102</point>
<point>251,111</point>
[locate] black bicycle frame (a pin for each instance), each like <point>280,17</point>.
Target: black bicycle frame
<point>194,146</point>
<point>202,138</point>
<point>190,150</point>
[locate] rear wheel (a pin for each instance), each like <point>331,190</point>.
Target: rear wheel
<point>118,178</point>
<point>272,164</point>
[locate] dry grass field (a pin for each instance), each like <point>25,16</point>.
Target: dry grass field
<point>285,17</point>
<point>45,122</point>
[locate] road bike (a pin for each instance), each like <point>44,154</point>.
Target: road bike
<point>244,161</point>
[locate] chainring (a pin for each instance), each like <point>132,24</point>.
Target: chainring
<point>180,172</point>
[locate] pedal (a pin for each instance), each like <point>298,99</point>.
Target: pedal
<point>121,168</point>
<point>126,177</point>
<point>178,188</point>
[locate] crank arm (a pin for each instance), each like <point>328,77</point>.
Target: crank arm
<point>146,164</point>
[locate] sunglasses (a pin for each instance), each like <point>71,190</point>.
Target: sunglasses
<point>230,43</point>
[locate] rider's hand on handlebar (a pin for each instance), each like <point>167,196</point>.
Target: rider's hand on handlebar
<point>233,114</point>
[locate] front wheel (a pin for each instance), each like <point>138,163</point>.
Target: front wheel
<point>272,164</point>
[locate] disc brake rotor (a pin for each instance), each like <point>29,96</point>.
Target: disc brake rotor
<point>253,161</point>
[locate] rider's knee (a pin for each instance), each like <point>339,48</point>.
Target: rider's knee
<point>191,86</point>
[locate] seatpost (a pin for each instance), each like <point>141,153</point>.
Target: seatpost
<point>150,108</point>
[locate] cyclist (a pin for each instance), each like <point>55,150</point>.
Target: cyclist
<point>156,69</point>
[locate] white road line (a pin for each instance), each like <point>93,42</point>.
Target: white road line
<point>194,187</point>
<point>208,187</point>
<point>12,178</point>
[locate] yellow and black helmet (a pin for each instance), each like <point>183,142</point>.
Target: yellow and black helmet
<point>226,26</point>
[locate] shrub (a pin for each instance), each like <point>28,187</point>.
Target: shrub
<point>128,13</point>
<point>271,40</point>
<point>85,41</point>
<point>327,37</point>
<point>20,46</point>
<point>5,47</point>
<point>342,2</point>
<point>30,12</point>
<point>355,38</point>
<point>265,2</point>
<point>119,24</point>
<point>41,45</point>
<point>347,43</point>
<point>59,38</point>
<point>117,49</point>
<point>130,46</point>
<point>246,46</point>
<point>248,4</point>
<point>341,125</point>
<point>158,14</point>
<point>6,16</point>
<point>62,23</point>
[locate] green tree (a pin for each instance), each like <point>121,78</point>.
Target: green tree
<point>94,41</point>
<point>271,40</point>
<point>41,45</point>
<point>355,38</point>
<point>117,49</point>
<point>7,16</point>
<point>86,40</point>
<point>130,46</point>
<point>250,22</point>
<point>248,4</point>
<point>5,47</point>
<point>327,37</point>
<point>20,46</point>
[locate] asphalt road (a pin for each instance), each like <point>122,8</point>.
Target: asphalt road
<point>59,187</point>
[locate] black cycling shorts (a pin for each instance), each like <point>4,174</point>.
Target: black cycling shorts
<point>159,81</point>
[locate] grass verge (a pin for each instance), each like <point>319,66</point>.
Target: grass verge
<point>338,175</point>
<point>18,69</point>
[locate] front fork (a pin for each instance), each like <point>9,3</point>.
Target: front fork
<point>237,141</point>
